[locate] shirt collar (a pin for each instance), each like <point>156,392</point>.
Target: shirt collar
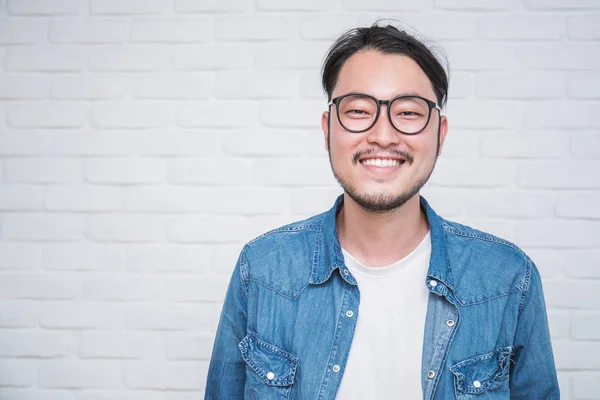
<point>328,251</point>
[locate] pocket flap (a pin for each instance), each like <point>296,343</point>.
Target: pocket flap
<point>483,372</point>
<point>275,366</point>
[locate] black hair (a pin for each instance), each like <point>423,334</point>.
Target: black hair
<point>387,40</point>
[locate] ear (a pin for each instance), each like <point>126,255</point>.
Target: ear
<point>443,133</point>
<point>325,128</point>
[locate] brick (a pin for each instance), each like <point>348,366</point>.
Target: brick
<point>83,257</point>
<point>13,86</point>
<point>19,313</point>
<point>448,202</point>
<point>210,57</point>
<point>582,205</point>
<point>168,258</point>
<point>132,114</point>
<point>509,204</point>
<point>521,27</point>
<point>325,27</point>
<point>171,30</point>
<point>241,85</point>
<point>290,55</point>
<point>438,26</point>
<point>561,4</point>
<point>185,346</point>
<point>125,287</point>
<point>37,394</point>
<point>292,113</point>
<point>19,31</point>
<point>576,356</point>
<point>35,343</point>
<point>558,234</point>
<point>81,315</point>
<point>129,58</point>
<point>584,86</point>
<point>462,85</point>
<point>87,31</point>
<point>563,175</point>
<point>520,86</point>
<point>585,145</point>
<point>258,28</point>
<point>226,201</point>
<point>218,114</point>
<point>173,86</point>
<point>18,372</point>
<point>310,86</point>
<point>585,384</point>
<point>550,262</point>
<point>28,285</point>
<point>44,58</point>
<point>586,326</point>
<point>559,323</point>
<point>474,5</point>
<point>313,201</point>
<point>206,288</point>
<point>124,228</point>
<point>47,7</point>
<point>170,142</point>
<point>46,114</point>
<point>462,144</point>
<point>43,170</point>
<point>21,198</point>
<point>574,56</point>
<point>19,256</point>
<point>224,257</point>
<point>263,142</point>
<point>83,198</point>
<point>587,263</point>
<point>485,114</point>
<point>583,27</point>
<point>175,317</point>
<point>574,115</point>
<point>292,172</point>
<point>478,57</point>
<point>121,344</point>
<point>211,6</point>
<point>384,5</point>
<point>80,374</point>
<point>91,87</point>
<point>525,144</point>
<point>472,173</point>
<point>46,227</point>
<point>193,171</point>
<point>291,5</point>
<point>498,227</point>
<point>212,229</point>
<point>179,376</point>
<point>128,7</point>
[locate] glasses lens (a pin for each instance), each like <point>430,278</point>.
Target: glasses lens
<point>357,112</point>
<point>409,114</point>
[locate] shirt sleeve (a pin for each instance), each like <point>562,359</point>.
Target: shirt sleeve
<point>227,369</point>
<point>533,375</point>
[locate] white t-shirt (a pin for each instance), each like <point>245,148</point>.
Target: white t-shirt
<point>386,352</point>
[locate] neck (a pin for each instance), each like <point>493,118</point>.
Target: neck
<point>380,239</point>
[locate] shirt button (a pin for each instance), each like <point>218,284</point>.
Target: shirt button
<point>433,283</point>
<point>349,313</point>
<point>477,384</point>
<point>336,368</point>
<point>270,376</point>
<point>345,272</point>
<point>450,322</point>
<point>431,374</point>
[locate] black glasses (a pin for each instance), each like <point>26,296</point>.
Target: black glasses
<point>358,112</point>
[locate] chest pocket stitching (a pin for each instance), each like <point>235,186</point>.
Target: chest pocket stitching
<point>487,368</point>
<point>264,357</point>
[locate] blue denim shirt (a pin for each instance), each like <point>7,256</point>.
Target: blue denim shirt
<point>285,331</point>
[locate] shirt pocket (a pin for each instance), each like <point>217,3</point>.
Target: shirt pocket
<point>484,376</point>
<point>270,371</point>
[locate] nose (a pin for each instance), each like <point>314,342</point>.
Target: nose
<point>383,132</point>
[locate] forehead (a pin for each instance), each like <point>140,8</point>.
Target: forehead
<point>383,76</point>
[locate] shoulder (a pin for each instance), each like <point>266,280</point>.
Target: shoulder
<point>483,265</point>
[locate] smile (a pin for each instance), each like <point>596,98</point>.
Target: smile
<point>382,162</point>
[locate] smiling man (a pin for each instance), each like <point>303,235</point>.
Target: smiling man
<point>379,297</point>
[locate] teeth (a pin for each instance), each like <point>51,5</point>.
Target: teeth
<point>381,163</point>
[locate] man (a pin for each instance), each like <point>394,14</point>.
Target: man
<point>379,297</point>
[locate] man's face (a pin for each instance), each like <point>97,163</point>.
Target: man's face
<point>373,184</point>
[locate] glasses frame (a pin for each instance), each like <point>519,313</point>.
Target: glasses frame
<point>432,105</point>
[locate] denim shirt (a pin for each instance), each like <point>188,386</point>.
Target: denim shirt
<point>291,309</point>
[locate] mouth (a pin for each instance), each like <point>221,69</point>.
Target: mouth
<point>382,162</point>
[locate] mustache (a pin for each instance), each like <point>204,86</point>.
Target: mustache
<point>407,156</point>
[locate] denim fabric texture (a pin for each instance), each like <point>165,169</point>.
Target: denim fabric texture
<point>285,331</point>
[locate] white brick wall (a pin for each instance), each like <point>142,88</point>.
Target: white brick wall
<point>142,142</point>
